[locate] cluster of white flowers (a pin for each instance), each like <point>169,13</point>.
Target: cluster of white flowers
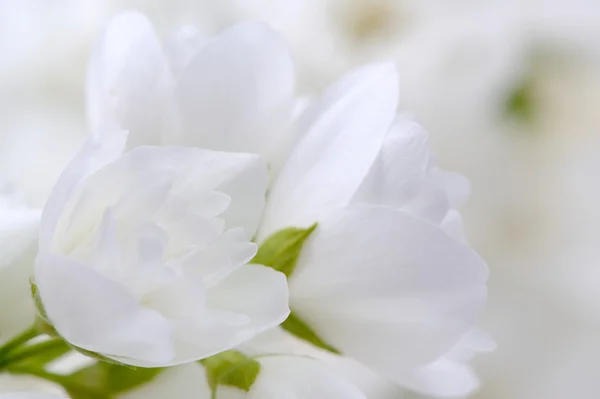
<point>218,236</point>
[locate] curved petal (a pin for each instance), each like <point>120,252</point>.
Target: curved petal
<point>441,379</point>
<point>387,288</point>
<point>257,293</point>
<point>296,377</point>
<point>97,314</point>
<point>186,381</point>
<point>236,93</point>
<point>401,177</point>
<point>243,177</point>
<point>344,134</point>
<point>93,155</point>
<point>181,47</point>
<point>129,80</point>
<point>246,303</point>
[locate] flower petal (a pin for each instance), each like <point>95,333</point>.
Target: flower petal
<point>387,288</point>
<point>402,177</point>
<point>344,134</point>
<point>236,93</point>
<point>194,171</point>
<point>18,240</point>
<point>129,80</point>
<point>186,381</point>
<point>97,314</point>
<point>295,377</point>
<point>61,202</point>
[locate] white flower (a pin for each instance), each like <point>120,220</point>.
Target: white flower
<point>232,92</point>
<point>382,279</point>
<point>18,234</point>
<point>140,255</point>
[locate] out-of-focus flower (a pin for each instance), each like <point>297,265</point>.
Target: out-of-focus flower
<point>140,255</point>
<point>29,395</point>
<point>18,239</point>
<point>232,92</point>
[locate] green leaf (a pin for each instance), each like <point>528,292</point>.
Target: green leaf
<point>41,360</point>
<point>300,329</point>
<point>280,251</point>
<point>107,379</point>
<point>231,368</point>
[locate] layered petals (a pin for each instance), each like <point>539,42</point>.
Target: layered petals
<point>233,92</point>
<point>342,137</point>
<point>138,259</point>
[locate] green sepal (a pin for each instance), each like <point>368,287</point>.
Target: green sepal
<point>105,380</point>
<point>520,104</point>
<point>231,368</point>
<point>280,251</point>
<point>300,329</point>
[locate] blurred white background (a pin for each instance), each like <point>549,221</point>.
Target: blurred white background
<point>508,89</point>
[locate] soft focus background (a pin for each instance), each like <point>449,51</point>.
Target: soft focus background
<point>508,89</point>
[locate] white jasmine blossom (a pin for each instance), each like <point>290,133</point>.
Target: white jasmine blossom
<point>381,279</point>
<point>140,255</point>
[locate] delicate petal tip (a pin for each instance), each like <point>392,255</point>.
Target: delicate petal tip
<point>129,80</point>
<point>343,132</point>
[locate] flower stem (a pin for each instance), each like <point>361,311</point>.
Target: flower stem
<point>55,347</point>
<point>19,340</point>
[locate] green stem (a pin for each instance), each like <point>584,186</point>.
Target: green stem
<point>53,345</point>
<point>19,340</point>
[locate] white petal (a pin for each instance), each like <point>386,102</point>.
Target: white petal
<point>387,288</point>
<point>342,140</point>
<point>243,177</point>
<point>18,243</point>
<point>92,156</point>
<point>401,177</point>
<point>249,301</point>
<point>129,80</point>
<point>295,377</point>
<point>442,379</point>
<point>99,315</point>
<point>236,93</point>
<point>255,291</point>
<point>180,382</point>
<point>475,341</point>
<point>227,253</point>
<point>182,46</point>
<point>450,376</point>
